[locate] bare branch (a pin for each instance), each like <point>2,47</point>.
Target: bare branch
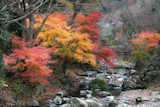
<point>26,15</point>
<point>44,20</point>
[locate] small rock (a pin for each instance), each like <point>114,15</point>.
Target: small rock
<point>123,105</point>
<point>93,103</point>
<point>79,102</point>
<point>156,99</point>
<point>103,94</point>
<point>89,95</point>
<point>109,98</point>
<point>155,93</point>
<point>52,105</point>
<point>50,101</point>
<point>112,104</point>
<point>62,93</point>
<point>66,100</point>
<point>34,103</point>
<point>120,79</point>
<point>66,105</point>
<point>83,93</point>
<point>58,100</point>
<point>100,76</point>
<point>138,100</point>
<point>132,71</point>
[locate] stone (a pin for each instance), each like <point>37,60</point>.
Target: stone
<point>89,96</point>
<point>123,105</point>
<point>83,93</point>
<point>103,94</point>
<point>34,103</point>
<point>128,84</point>
<point>79,102</point>
<point>133,71</point>
<point>52,105</point>
<point>93,103</point>
<point>120,79</point>
<point>58,100</point>
<point>84,85</point>
<point>155,93</point>
<point>156,99</point>
<point>62,93</point>
<point>112,104</point>
<point>109,98</point>
<point>66,100</point>
<point>138,100</point>
<point>100,76</point>
<point>50,101</point>
<point>66,105</point>
<point>91,73</point>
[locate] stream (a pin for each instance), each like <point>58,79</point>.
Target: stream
<point>126,90</point>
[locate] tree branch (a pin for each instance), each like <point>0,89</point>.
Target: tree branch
<point>44,20</point>
<point>26,15</point>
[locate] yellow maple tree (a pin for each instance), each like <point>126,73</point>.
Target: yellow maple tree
<point>71,44</point>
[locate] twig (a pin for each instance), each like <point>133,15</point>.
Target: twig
<point>44,20</point>
<point>26,15</point>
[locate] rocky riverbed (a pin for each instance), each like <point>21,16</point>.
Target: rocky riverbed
<point>123,89</point>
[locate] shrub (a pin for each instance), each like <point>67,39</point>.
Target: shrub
<point>29,63</point>
<point>145,47</point>
<point>98,84</point>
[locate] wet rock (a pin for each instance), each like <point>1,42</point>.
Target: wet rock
<point>67,105</point>
<point>155,93</point>
<point>101,76</point>
<point>116,91</point>
<point>86,93</point>
<point>58,100</point>
<point>74,91</point>
<point>66,100</point>
<point>103,94</point>
<point>89,96</point>
<point>93,103</point>
<point>134,82</point>
<point>84,85</point>
<point>132,71</point>
<point>123,105</point>
<point>156,99</point>
<point>138,100</point>
<point>79,102</point>
<point>110,101</point>
<point>52,105</point>
<point>150,76</point>
<point>34,103</point>
<point>91,73</point>
<point>83,93</point>
<point>109,98</point>
<point>112,104</point>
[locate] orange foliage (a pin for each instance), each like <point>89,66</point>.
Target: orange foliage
<point>29,63</point>
<point>146,40</point>
<point>87,24</point>
<point>71,44</point>
<point>75,42</point>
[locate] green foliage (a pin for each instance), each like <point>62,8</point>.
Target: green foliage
<point>17,87</point>
<point>3,83</point>
<point>141,55</point>
<point>98,84</point>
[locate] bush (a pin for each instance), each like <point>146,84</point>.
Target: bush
<point>146,48</point>
<point>98,84</point>
<point>28,63</point>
